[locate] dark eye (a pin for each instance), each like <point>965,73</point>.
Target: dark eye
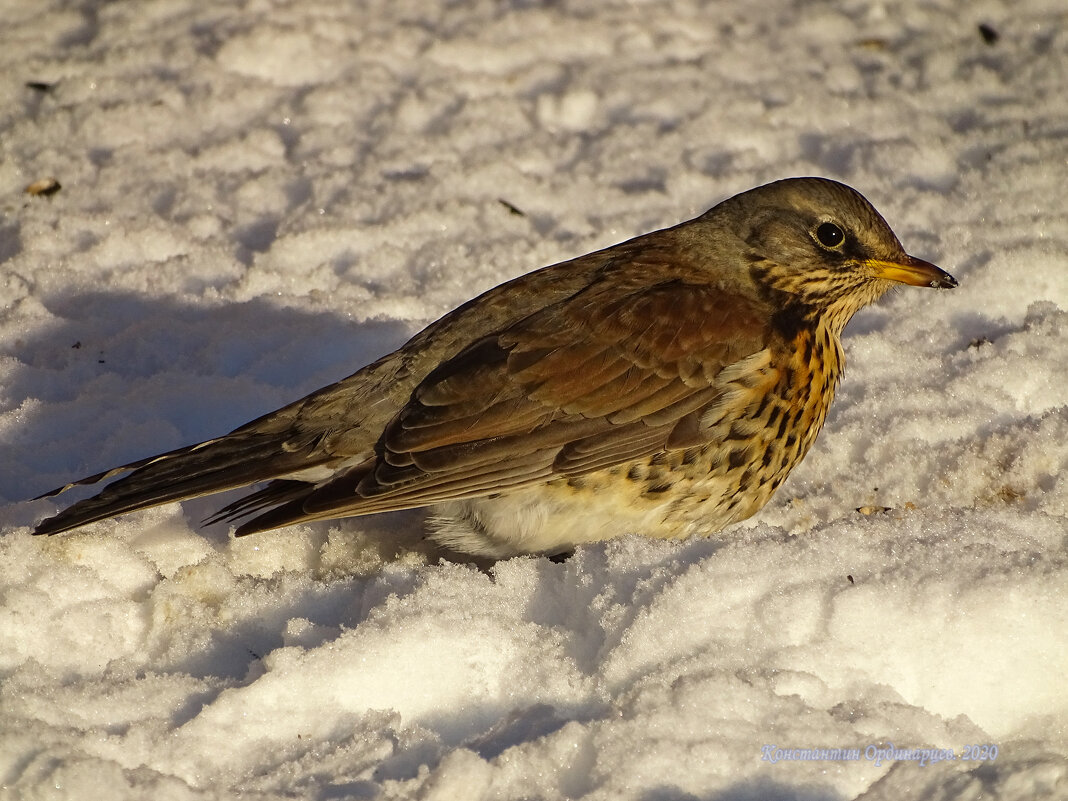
<point>830,235</point>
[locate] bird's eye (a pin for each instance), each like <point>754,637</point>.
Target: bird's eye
<point>830,235</point>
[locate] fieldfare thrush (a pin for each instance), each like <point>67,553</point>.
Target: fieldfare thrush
<point>665,386</point>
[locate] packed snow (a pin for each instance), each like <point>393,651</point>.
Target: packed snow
<point>257,198</point>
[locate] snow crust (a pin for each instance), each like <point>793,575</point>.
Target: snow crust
<point>259,197</point>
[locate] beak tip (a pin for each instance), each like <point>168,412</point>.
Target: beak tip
<point>921,273</point>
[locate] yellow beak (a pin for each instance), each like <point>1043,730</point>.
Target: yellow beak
<point>912,271</point>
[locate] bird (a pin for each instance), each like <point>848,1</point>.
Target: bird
<point>665,386</point>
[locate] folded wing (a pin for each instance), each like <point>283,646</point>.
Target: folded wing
<point>620,371</point>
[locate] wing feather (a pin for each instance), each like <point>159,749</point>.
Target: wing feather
<point>619,372</point>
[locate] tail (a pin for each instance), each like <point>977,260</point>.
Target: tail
<point>233,461</point>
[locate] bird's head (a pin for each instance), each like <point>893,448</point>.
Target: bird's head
<point>821,249</point>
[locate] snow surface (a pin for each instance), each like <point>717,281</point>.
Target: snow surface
<point>259,197</point>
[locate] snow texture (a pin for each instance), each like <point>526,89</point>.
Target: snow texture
<point>259,197</point>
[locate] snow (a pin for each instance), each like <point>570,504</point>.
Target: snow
<point>260,197</point>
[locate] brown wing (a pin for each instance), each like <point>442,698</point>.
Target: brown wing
<point>619,371</point>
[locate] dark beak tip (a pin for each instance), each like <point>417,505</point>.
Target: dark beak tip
<point>940,279</point>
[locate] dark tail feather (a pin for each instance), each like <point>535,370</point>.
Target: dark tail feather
<point>212,466</point>
<point>278,491</point>
<point>114,471</point>
<point>289,501</point>
<point>284,515</point>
